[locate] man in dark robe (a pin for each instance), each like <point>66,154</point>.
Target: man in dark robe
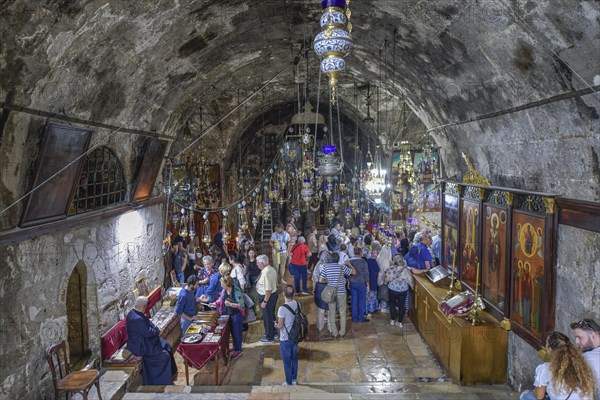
<point>158,365</point>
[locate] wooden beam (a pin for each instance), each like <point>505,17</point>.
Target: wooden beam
<point>579,213</point>
<point>17,235</point>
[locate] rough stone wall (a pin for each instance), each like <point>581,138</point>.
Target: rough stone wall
<point>155,65</point>
<point>33,290</point>
<point>577,297</point>
<point>552,148</point>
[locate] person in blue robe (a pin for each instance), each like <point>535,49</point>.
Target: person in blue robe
<point>158,364</point>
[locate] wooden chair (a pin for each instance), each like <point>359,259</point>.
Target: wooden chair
<point>66,380</point>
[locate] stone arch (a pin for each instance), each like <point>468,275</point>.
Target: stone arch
<point>81,307</point>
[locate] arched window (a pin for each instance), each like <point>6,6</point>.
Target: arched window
<point>102,182</point>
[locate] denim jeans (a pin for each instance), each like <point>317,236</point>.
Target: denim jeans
<point>299,272</point>
<point>528,395</point>
<point>236,321</point>
<point>358,298</point>
<point>185,324</point>
<point>289,356</point>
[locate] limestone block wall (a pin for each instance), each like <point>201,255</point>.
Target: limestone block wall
<point>577,296</point>
<point>34,283</point>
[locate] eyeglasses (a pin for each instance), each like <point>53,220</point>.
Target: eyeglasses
<point>586,324</point>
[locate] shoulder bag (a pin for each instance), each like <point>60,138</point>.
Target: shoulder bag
<point>383,293</point>
<point>329,293</point>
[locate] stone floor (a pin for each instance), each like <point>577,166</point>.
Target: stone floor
<point>375,359</point>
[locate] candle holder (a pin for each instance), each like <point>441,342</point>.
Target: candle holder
<point>450,292</point>
<point>474,313</point>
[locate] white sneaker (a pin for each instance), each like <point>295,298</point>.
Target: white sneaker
<point>294,383</point>
<point>399,324</point>
<point>392,322</point>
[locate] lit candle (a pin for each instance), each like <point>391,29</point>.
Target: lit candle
<point>454,261</point>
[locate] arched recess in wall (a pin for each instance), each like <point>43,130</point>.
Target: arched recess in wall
<point>77,315</point>
<point>81,304</point>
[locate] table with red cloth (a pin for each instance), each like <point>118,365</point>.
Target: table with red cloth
<point>199,354</point>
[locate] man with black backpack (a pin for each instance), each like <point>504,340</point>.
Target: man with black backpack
<point>292,325</point>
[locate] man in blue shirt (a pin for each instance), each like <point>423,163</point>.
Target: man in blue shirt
<point>186,304</point>
<point>179,261</point>
<point>425,259</point>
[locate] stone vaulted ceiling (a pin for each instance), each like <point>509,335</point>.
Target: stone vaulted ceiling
<point>512,83</point>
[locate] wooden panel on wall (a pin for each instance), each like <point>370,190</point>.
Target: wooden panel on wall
<point>470,241</point>
<point>63,145</point>
<point>579,214</point>
<point>494,256</point>
<point>154,152</point>
<point>511,235</point>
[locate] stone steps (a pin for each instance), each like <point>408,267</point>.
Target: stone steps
<point>113,385</point>
<point>326,391</point>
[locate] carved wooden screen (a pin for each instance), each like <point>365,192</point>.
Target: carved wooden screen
<point>511,235</point>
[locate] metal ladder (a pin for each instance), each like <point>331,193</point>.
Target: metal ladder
<point>267,223</point>
<point>267,227</point>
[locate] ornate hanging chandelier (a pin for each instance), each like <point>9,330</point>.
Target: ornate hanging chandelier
<point>330,164</point>
<point>334,42</point>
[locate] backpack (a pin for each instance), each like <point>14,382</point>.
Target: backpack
<point>299,329</point>
<point>412,257</point>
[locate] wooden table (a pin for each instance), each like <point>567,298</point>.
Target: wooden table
<point>470,354</point>
<point>199,354</point>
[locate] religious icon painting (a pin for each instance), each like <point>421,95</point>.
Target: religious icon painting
<point>529,279</point>
<point>493,260</point>
<point>470,242</point>
<point>450,232</point>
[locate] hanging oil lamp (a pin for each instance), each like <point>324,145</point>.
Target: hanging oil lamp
<point>226,234</point>
<point>348,216</point>
<point>206,230</point>
<point>334,41</point>
<point>183,227</point>
<point>192,227</point>
<point>307,190</point>
<point>336,204</point>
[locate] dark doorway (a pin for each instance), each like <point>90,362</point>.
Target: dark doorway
<point>77,317</point>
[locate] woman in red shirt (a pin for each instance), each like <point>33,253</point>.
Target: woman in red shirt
<point>299,252</point>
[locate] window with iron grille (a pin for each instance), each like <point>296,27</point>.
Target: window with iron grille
<point>102,182</point>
